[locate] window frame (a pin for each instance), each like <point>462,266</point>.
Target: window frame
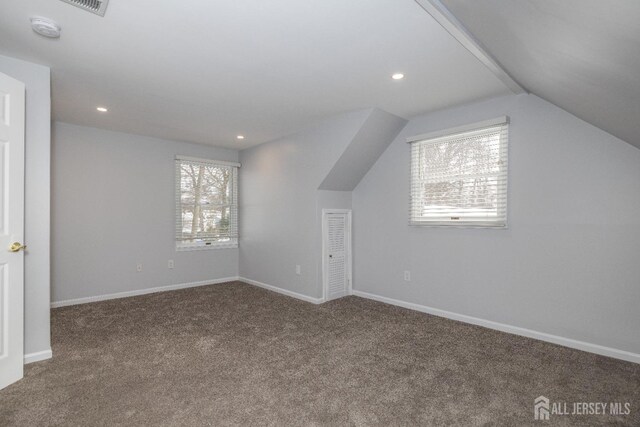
<point>447,221</point>
<point>181,245</point>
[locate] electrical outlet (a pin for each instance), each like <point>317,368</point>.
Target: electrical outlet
<point>139,267</point>
<point>170,263</point>
<point>298,270</point>
<point>407,276</point>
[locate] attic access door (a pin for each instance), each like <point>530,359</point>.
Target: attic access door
<point>336,253</point>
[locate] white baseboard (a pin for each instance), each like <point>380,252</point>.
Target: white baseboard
<point>137,292</point>
<point>286,292</point>
<point>37,356</point>
<point>566,342</point>
<point>555,339</point>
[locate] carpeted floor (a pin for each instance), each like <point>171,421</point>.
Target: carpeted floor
<point>234,354</point>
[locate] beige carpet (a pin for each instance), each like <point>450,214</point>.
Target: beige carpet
<point>234,354</point>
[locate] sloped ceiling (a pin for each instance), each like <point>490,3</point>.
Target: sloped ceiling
<point>206,71</point>
<point>581,55</point>
<point>374,136</point>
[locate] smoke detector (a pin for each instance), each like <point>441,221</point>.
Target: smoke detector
<point>45,27</point>
<point>99,7</point>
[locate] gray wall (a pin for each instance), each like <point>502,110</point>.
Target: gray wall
<point>280,201</point>
<point>37,200</point>
<point>113,206</point>
<point>568,263</point>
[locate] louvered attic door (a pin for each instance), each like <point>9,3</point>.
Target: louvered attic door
<point>336,252</point>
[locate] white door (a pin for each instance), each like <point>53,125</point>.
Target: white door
<point>336,231</point>
<point>11,229</point>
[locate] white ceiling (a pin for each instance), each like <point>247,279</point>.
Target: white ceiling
<point>582,55</point>
<point>206,70</point>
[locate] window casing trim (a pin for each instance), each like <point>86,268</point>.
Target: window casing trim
<point>208,161</point>
<point>459,129</point>
<point>232,243</point>
<point>447,220</point>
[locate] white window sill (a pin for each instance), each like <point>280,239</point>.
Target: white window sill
<point>212,246</point>
<point>500,226</point>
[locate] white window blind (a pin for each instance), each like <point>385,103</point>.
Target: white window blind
<point>459,178</point>
<point>206,203</point>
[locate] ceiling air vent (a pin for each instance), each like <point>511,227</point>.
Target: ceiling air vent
<point>99,7</point>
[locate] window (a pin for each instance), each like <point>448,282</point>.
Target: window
<point>206,204</point>
<point>459,176</point>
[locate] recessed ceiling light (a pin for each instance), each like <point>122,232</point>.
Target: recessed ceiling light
<point>397,76</point>
<point>240,137</point>
<point>102,109</point>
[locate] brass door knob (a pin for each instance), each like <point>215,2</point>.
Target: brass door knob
<point>17,246</point>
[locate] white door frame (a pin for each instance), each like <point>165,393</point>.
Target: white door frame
<point>348,257</point>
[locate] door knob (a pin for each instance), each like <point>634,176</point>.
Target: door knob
<point>17,246</point>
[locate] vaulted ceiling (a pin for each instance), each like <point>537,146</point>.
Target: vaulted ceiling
<point>207,70</point>
<point>581,55</point>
